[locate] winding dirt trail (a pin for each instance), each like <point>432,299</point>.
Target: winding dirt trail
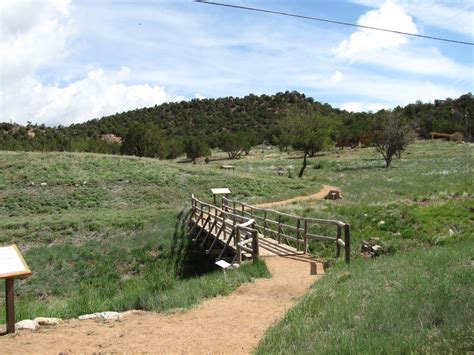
<point>232,324</point>
<point>316,196</point>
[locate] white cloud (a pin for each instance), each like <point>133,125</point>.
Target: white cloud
<point>100,93</point>
<point>447,14</point>
<point>374,91</point>
<point>394,51</point>
<point>199,96</point>
<point>389,16</point>
<point>35,35</point>
<point>336,77</point>
<point>358,106</point>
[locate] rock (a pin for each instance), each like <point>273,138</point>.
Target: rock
<point>89,316</point>
<point>381,223</point>
<point>27,324</point>
<point>370,250</point>
<point>110,316</point>
<point>43,184</point>
<point>333,195</point>
<point>32,183</point>
<point>47,321</point>
<point>365,247</point>
<point>377,249</point>
<point>451,232</point>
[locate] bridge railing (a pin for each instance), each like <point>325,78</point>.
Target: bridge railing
<point>234,228</point>
<point>292,229</point>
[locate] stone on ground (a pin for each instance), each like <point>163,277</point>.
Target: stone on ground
<point>27,324</point>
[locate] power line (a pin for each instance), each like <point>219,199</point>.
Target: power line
<point>332,21</point>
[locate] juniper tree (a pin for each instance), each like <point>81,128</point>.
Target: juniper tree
<point>391,134</point>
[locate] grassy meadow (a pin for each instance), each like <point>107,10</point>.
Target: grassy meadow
<point>105,232</point>
<point>416,302</point>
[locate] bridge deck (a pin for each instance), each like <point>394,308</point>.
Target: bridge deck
<point>267,246</point>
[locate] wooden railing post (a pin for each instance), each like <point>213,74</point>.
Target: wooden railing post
<point>338,247</point>
<point>255,252</point>
<point>298,234</point>
<point>305,240</point>
<point>264,223</point>
<point>239,250</point>
<point>215,216</point>
<point>279,229</point>
<point>347,242</point>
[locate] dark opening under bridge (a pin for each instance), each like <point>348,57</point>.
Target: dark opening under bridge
<point>238,231</point>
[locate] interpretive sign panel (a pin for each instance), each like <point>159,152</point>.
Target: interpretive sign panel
<point>220,191</point>
<point>12,263</point>
<point>223,264</point>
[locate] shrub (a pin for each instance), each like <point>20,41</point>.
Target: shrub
<point>456,137</point>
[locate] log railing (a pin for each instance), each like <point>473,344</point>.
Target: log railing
<point>291,229</point>
<point>225,226</point>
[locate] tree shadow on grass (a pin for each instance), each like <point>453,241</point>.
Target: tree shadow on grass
<point>357,168</point>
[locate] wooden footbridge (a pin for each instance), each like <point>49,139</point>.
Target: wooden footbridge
<point>237,231</point>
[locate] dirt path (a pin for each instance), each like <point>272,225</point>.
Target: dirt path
<point>232,324</point>
<point>316,196</point>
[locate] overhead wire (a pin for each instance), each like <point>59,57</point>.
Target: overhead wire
<point>333,21</point>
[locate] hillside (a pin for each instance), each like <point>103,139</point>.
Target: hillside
<point>106,232</point>
<point>210,118</point>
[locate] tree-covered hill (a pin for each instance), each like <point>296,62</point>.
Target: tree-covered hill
<point>210,119</point>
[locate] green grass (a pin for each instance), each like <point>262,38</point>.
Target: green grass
<point>87,194</point>
<point>416,302</point>
<point>152,270</point>
<point>102,234</point>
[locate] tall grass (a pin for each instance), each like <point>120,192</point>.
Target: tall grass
<point>153,270</point>
<point>416,302</point>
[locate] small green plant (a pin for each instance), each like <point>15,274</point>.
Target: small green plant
<point>290,173</point>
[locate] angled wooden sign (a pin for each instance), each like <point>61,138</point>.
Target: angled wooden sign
<point>12,263</point>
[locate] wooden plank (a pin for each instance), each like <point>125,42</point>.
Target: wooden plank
<point>321,237</point>
<point>226,245</point>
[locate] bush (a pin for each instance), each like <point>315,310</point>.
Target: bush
<point>235,144</point>
<point>456,137</point>
<point>196,148</point>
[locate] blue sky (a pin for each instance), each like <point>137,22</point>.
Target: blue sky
<point>65,62</point>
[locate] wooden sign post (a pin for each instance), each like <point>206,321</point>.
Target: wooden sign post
<point>12,265</point>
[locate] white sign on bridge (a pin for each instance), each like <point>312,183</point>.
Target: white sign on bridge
<point>223,264</point>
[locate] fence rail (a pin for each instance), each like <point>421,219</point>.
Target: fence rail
<point>291,228</point>
<point>242,224</point>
